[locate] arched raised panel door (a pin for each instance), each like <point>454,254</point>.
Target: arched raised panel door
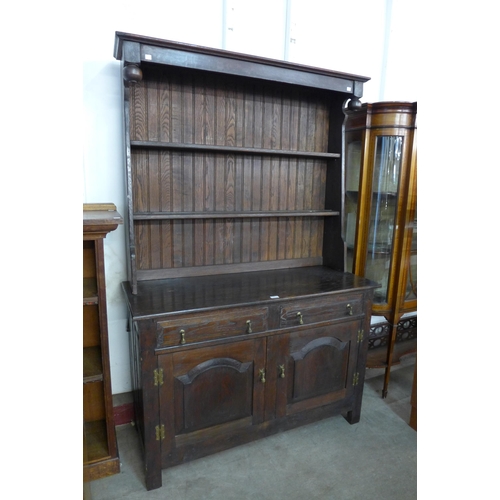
<point>320,367</point>
<point>209,396</point>
<point>221,387</point>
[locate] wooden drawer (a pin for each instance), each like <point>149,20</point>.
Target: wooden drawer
<point>200,327</point>
<point>307,311</point>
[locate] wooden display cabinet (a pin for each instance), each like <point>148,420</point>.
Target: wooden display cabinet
<point>380,207</point>
<point>242,319</point>
<point>99,440</point>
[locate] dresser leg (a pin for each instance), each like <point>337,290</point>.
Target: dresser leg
<point>152,462</point>
<point>153,479</point>
<point>352,417</point>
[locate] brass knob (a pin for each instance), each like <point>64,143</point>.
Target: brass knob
<point>301,321</point>
<point>282,371</point>
<point>183,336</point>
<point>249,326</point>
<point>349,309</point>
<point>262,375</point>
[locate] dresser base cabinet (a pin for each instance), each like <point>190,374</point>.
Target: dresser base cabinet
<point>220,361</point>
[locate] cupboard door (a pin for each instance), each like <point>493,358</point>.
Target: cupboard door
<point>216,391</point>
<point>315,366</point>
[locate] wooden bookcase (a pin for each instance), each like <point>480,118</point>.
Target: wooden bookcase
<point>242,319</point>
<point>100,453</point>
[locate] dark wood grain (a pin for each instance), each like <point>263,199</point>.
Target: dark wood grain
<point>171,183</point>
<point>159,297</point>
<point>235,193</point>
<point>226,374</point>
<point>177,113</point>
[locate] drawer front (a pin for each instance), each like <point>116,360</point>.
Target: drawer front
<point>199,327</point>
<point>308,311</point>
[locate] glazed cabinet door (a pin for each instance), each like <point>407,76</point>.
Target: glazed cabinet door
<point>208,396</point>
<point>314,366</point>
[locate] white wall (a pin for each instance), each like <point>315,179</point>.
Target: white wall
<point>349,36</point>
<point>192,21</point>
<point>399,80</point>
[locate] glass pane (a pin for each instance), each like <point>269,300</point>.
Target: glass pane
<point>385,186</point>
<point>411,282</point>
<point>352,171</point>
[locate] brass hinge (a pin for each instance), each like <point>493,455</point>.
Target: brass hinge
<point>158,376</point>
<point>355,379</point>
<point>361,334</point>
<point>160,432</point>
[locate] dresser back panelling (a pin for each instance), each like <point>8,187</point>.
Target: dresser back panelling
<point>188,243</point>
<point>208,110</point>
<point>204,109</point>
<point>168,181</point>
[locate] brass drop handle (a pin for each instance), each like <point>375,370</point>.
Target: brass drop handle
<point>183,336</point>
<point>349,309</point>
<point>299,315</point>
<point>249,326</point>
<point>262,375</point>
<point>282,371</point>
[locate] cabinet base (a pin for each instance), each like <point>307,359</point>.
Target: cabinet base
<point>221,443</point>
<point>101,469</point>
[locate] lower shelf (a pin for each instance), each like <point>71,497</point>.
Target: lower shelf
<point>97,462</point>
<point>377,358</point>
<point>96,441</point>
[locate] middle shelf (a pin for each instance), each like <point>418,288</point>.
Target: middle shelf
<point>212,148</point>
<point>233,215</point>
<point>92,364</point>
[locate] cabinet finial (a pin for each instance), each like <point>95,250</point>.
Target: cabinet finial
<point>132,73</point>
<point>354,104</point>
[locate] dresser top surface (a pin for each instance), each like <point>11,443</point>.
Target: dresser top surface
<point>162,297</point>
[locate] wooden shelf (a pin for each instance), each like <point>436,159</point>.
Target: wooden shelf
<point>97,460</point>
<point>206,148</point>
<point>377,358</point>
<point>96,440</point>
<point>90,291</point>
<point>233,215</point>
<point>92,364</point>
